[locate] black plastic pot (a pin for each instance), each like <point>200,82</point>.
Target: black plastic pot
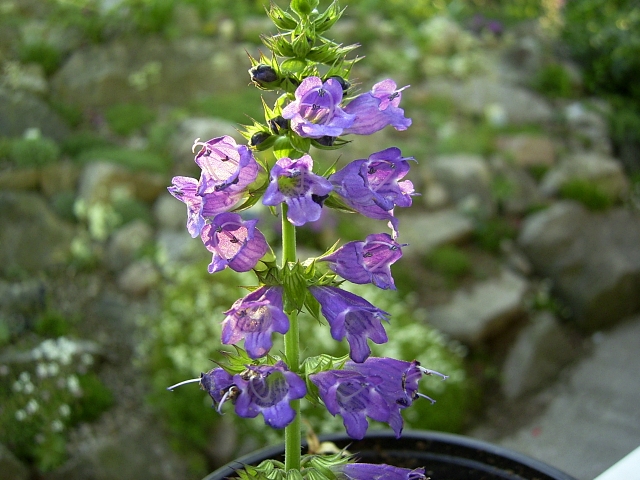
<point>444,457</point>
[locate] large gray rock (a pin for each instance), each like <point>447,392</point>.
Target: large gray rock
<point>427,231</point>
<point>126,242</point>
<point>592,258</point>
<point>475,315</point>
<point>22,111</point>
<point>590,130</point>
<point>527,150</point>
<point>477,95</point>
<point>604,171</point>
<point>150,70</point>
<point>11,467</point>
<point>540,351</point>
<point>33,238</point>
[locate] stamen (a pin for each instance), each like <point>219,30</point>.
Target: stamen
<point>315,106</point>
<point>428,398</point>
<point>224,398</point>
<point>198,143</point>
<point>426,371</point>
<point>321,92</point>
<point>193,380</point>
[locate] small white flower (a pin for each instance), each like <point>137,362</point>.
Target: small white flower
<point>21,415</point>
<point>57,426</point>
<point>86,359</point>
<point>4,370</point>
<point>53,369</point>
<point>41,370</point>
<point>73,385</point>
<point>32,407</point>
<point>17,386</point>
<point>64,410</point>
<point>24,377</point>
<point>28,388</point>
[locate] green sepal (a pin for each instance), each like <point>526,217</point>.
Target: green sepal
<point>278,44</point>
<point>335,202</point>
<point>301,45</point>
<point>293,66</point>
<point>295,287</point>
<point>330,52</point>
<point>320,363</point>
<point>328,18</point>
<point>283,148</point>
<point>252,198</point>
<point>237,362</point>
<point>301,144</point>
<point>338,143</point>
<point>294,475</point>
<point>281,18</point>
<point>303,7</point>
<point>325,464</point>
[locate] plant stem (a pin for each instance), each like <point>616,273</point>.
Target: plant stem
<point>292,432</point>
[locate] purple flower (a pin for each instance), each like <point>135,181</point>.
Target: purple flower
<point>293,182</point>
<point>351,316</point>
<point>226,166</point>
<point>265,389</point>
<point>184,189</point>
<point>370,471</point>
<point>395,381</point>
<point>227,170</point>
<point>234,242</point>
<point>376,109</point>
<point>373,186</point>
<point>316,112</point>
<point>352,396</point>
<point>368,261</point>
<point>254,318</point>
<point>268,389</point>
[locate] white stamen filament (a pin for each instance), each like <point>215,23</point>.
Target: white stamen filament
<point>428,398</point>
<point>193,380</point>
<point>426,371</point>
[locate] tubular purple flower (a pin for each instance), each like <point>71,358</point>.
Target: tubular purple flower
<point>371,471</point>
<point>254,318</point>
<point>374,186</point>
<point>294,183</point>
<point>268,389</point>
<point>226,166</point>
<point>316,112</point>
<point>218,383</point>
<point>184,189</point>
<point>376,109</point>
<point>367,261</point>
<point>351,316</point>
<point>234,242</point>
<point>352,396</point>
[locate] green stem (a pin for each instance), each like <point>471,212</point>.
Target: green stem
<point>292,432</point>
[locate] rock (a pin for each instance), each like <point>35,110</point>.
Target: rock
<point>28,78</point>
<point>20,178</point>
<point>604,171</point>
<point>475,315</point>
<point>139,278</point>
<point>589,129</point>
<point>592,258</point>
<point>178,246</point>
<point>22,111</point>
<point>151,70</point>
<point>170,213</point>
<point>427,231</point>
<point>478,94</point>
<point>33,238</point>
<point>528,150</point>
<point>189,130</point>
<point>11,467</point>
<point>59,177</point>
<point>103,182</point>
<point>515,189</point>
<point>20,302</point>
<point>126,242</point>
<point>540,351</point>
<point>464,176</point>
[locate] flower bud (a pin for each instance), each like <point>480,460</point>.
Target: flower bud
<point>258,138</point>
<point>345,84</point>
<point>263,75</point>
<point>278,124</point>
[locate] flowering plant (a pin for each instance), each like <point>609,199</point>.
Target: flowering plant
<point>317,108</point>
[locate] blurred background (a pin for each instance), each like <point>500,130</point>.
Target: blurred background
<point>523,253</point>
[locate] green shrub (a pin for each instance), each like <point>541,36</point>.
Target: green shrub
<point>52,324</point>
<point>489,233</point>
<point>127,118</point>
<point>81,141</point>
<point>586,192</point>
<point>129,209</point>
<point>43,54</point>
<point>34,152</point>
<point>553,80</point>
<point>449,261</point>
<point>133,159</point>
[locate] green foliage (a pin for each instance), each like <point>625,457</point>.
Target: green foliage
<point>127,118</point>
<point>586,192</point>
<point>490,232</point>
<point>129,209</point>
<point>52,324</point>
<point>449,261</point>
<point>553,80</point>
<point>34,152</point>
<point>72,114</point>
<point>133,159</point>
<point>236,107</point>
<point>43,54</point>
<point>81,141</point>
<point>63,204</point>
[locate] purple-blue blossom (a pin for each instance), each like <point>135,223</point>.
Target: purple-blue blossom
<point>316,110</point>
<point>395,381</point>
<point>371,471</point>
<point>374,186</point>
<point>367,261</point>
<point>376,109</point>
<point>294,183</point>
<point>254,318</point>
<point>353,317</point>
<point>267,390</point>
<point>234,242</point>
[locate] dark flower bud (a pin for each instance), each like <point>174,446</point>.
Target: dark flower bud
<point>345,84</point>
<point>278,124</point>
<point>258,138</point>
<point>263,74</point>
<point>326,141</point>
